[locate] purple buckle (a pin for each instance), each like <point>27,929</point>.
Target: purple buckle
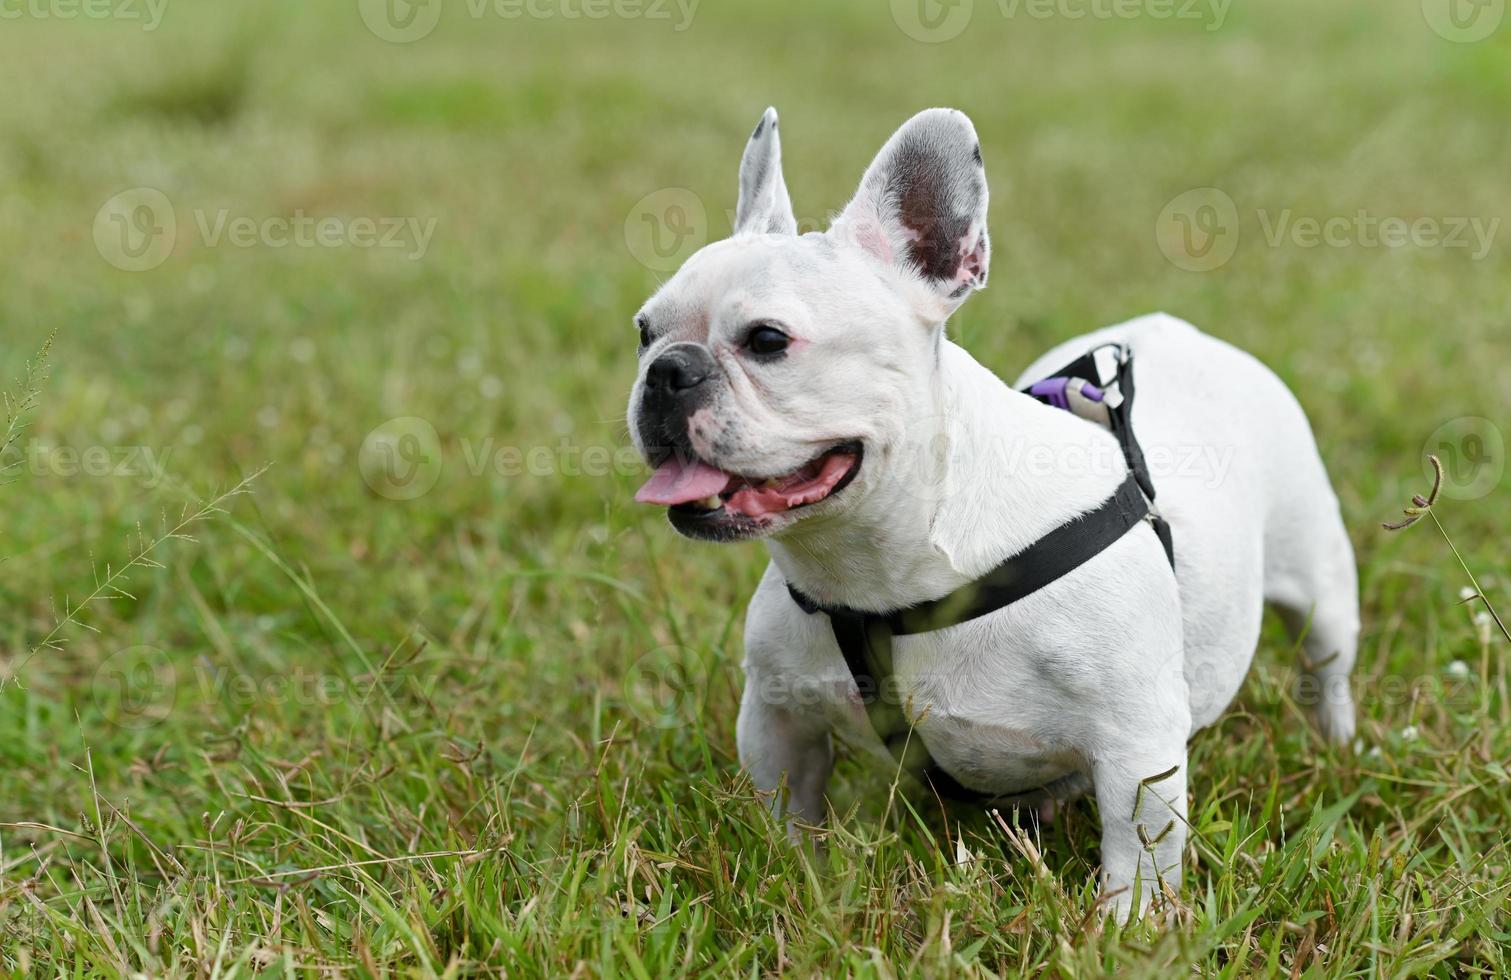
<point>1055,391</point>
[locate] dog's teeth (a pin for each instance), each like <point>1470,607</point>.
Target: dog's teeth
<point>710,502</point>
<point>770,484</point>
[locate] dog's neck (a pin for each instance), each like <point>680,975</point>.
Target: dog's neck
<point>984,476</point>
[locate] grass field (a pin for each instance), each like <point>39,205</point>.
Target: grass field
<point>434,697</point>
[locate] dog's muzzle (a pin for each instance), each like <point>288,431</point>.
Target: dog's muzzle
<point>676,384</point>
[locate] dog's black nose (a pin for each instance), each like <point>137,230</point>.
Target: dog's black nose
<point>681,367</point>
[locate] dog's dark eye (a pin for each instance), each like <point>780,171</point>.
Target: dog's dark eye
<point>766,339</point>
<point>645,331</point>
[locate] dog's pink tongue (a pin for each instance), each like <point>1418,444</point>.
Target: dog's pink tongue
<point>678,481</point>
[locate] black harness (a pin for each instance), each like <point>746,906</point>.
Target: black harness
<point>1098,387</point>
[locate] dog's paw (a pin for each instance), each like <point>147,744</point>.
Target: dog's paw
<point>1336,722</point>
<point>1155,911</point>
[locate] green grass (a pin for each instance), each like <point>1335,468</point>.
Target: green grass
<point>492,727</point>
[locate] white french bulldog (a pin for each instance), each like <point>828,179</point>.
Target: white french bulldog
<point>801,389</point>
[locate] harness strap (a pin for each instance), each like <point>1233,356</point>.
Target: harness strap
<point>1053,556</point>
<point>866,642</point>
<point>865,639</point>
<point>1084,388</point>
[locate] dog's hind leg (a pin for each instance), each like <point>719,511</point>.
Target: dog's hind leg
<point>1311,580</point>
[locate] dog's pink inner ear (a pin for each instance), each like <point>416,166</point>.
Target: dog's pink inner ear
<point>871,235</point>
<point>945,243</point>
<point>922,205</point>
<point>974,249</point>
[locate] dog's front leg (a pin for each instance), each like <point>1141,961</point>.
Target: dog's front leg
<point>1141,796</point>
<point>785,748</point>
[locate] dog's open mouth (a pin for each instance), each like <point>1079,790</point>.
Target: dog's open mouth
<point>697,492</point>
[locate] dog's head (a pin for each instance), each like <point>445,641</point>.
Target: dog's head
<point>780,372</point>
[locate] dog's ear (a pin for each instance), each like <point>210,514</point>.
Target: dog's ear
<point>764,206</point>
<point>921,207</point>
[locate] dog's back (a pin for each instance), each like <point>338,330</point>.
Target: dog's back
<point>1254,517</point>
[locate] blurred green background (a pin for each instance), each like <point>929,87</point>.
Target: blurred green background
<point>439,637</point>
